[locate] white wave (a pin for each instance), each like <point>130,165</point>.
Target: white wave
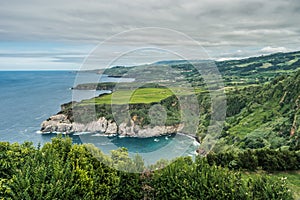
<point>195,143</point>
<point>54,132</point>
<point>81,133</point>
<point>102,134</point>
<point>189,136</point>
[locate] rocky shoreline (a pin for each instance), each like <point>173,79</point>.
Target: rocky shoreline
<point>61,123</point>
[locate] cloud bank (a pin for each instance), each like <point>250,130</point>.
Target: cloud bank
<point>220,26</point>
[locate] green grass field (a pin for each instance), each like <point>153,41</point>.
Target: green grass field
<point>140,95</point>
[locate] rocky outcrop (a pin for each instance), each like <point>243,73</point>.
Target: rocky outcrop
<point>134,130</point>
<point>61,123</point>
<point>57,123</point>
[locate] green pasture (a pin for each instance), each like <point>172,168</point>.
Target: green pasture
<point>140,95</point>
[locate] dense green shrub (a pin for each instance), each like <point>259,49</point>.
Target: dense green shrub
<point>266,159</point>
<point>185,179</point>
<point>62,170</point>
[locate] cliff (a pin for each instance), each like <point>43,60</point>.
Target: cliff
<point>61,123</point>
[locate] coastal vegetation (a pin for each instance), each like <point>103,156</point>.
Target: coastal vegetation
<point>62,170</point>
<point>262,95</point>
<point>256,156</point>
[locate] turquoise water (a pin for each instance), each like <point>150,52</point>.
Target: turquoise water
<point>29,97</point>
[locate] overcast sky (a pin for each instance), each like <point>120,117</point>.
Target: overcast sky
<point>58,34</point>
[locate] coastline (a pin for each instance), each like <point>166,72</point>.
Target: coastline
<point>61,123</point>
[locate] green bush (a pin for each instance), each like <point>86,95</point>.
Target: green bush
<point>266,159</point>
<point>62,170</point>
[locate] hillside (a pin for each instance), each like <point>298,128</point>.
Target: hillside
<point>262,99</point>
<point>248,71</point>
<point>267,115</point>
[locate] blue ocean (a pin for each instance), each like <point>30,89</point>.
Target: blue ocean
<point>27,98</point>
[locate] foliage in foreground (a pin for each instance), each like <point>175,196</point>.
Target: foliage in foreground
<point>60,170</point>
<point>266,159</point>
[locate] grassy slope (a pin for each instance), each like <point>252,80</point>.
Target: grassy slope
<point>140,95</point>
<point>268,114</point>
<point>257,70</point>
<point>143,95</point>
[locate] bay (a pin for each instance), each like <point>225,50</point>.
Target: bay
<point>29,97</point>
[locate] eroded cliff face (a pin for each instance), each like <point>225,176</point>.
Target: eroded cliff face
<point>61,123</point>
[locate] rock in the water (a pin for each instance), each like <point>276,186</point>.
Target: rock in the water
<point>57,123</point>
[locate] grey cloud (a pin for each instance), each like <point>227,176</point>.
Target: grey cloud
<point>36,54</point>
<point>78,59</point>
<point>235,23</point>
